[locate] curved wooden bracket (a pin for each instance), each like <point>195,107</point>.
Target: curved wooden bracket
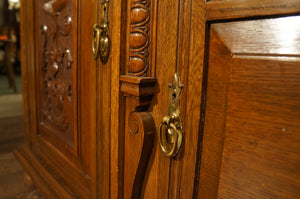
<point>139,147</point>
<point>139,132</point>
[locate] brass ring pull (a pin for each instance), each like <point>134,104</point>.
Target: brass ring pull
<point>101,38</point>
<point>170,137</point>
<point>96,40</point>
<point>170,130</point>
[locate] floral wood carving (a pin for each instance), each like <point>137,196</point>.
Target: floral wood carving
<point>56,66</point>
<point>139,38</point>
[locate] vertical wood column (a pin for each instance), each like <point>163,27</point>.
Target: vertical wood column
<point>138,88</point>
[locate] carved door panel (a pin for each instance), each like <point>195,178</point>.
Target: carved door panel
<point>63,136</point>
<point>57,74</point>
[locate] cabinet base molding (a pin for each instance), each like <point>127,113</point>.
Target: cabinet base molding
<point>41,177</point>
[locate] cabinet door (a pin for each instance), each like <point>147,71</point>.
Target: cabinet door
<point>251,145</point>
<point>57,72</point>
<point>238,108</point>
<point>59,84</point>
<point>156,43</point>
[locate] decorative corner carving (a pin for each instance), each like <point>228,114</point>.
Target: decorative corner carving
<point>139,38</point>
<point>56,65</point>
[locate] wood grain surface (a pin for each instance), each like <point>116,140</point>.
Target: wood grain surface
<point>251,146</point>
<point>264,37</point>
<point>220,10</point>
<point>262,146</point>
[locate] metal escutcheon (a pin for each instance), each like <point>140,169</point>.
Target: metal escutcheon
<point>104,45</point>
<point>170,130</point>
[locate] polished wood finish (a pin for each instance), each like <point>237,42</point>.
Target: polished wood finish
<point>139,37</point>
<point>231,68</point>
<point>142,129</point>
<point>57,74</point>
<point>220,10</point>
<point>255,122</point>
<point>27,64</point>
<point>275,36</point>
<point>139,132</point>
<point>213,135</point>
<point>250,142</point>
<point>66,146</point>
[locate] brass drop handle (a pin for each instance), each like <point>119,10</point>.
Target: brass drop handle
<point>95,41</point>
<point>101,38</point>
<point>170,130</point>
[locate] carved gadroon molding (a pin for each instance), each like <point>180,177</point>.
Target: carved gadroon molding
<point>56,66</point>
<point>139,38</point>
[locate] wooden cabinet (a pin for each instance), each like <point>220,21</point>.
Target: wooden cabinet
<point>92,129</point>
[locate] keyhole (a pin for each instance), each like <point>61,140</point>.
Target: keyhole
<point>173,98</point>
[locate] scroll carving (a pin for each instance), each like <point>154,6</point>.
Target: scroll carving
<point>139,88</point>
<point>142,127</point>
<point>139,132</point>
<point>139,38</point>
<point>56,66</point>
